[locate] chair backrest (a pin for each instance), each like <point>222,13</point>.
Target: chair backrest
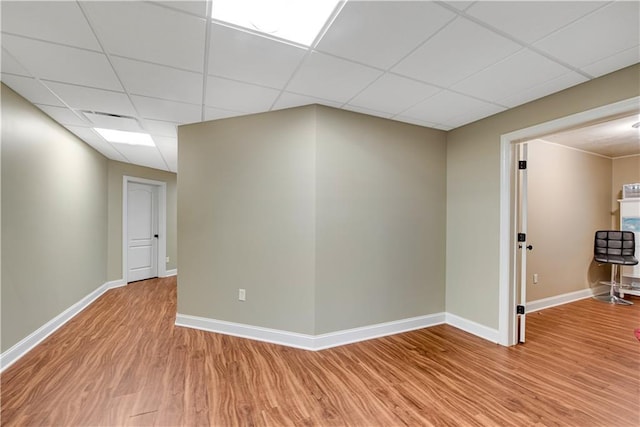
<point>614,243</point>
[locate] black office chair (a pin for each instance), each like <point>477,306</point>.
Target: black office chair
<point>615,248</point>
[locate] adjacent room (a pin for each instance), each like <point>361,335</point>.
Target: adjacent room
<point>234,212</point>
<point>575,182</point>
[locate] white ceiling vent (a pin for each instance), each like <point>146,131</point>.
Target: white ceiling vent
<point>113,121</point>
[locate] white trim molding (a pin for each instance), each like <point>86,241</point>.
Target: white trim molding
<point>275,336</point>
<point>172,272</point>
<point>305,341</point>
<point>10,356</point>
<point>115,284</point>
<point>348,336</point>
<point>473,328</point>
<point>556,300</point>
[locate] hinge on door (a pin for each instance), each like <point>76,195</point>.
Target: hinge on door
<point>522,237</point>
<point>519,309</point>
<point>522,164</point>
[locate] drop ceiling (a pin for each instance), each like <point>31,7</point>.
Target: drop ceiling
<point>149,66</point>
<point>613,138</point>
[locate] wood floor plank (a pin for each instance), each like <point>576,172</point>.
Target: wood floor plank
<point>123,362</point>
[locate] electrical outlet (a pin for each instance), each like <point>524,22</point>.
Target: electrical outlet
<point>242,294</point>
<point>535,278</point>
<point>167,260</point>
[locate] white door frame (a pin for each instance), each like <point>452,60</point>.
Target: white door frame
<point>162,223</point>
<point>521,214</point>
<point>507,332</point>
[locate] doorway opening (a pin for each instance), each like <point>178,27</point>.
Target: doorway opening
<point>509,292</point>
<point>150,244</point>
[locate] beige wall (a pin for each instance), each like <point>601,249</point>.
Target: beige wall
<point>36,178</point>
<point>329,220</point>
<point>116,172</point>
<point>246,219</point>
<point>380,220</point>
<point>626,170</point>
<point>568,200</point>
<point>473,189</point>
<point>54,225</point>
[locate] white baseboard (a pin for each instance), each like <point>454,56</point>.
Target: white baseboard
<point>10,356</point>
<point>115,284</point>
<point>169,273</point>
<point>305,341</point>
<point>348,336</point>
<point>473,328</point>
<point>549,302</point>
<point>290,339</point>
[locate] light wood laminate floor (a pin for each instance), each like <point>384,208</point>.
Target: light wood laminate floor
<point>123,362</point>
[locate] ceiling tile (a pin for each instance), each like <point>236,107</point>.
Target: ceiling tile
<point>11,66</point>
<point>461,49</point>
<point>367,111</point>
<point>529,21</point>
<point>211,113</point>
<point>64,64</point>
<point>31,89</point>
<point>250,58</point>
<point>381,33</point>
<point>607,31</point>
<point>157,81</point>
<point>144,156</point>
<point>290,100</point>
<point>328,77</point>
<point>168,147</point>
<point>86,98</point>
<point>444,106</point>
<point>172,162</point>
<point>476,112</point>
<point>106,150</point>
<point>543,89</point>
<point>459,4</point>
<point>393,94</point>
<point>91,138</point>
<point>157,51</point>
<point>511,75</point>
<point>56,22</point>
<point>236,96</point>
<point>415,121</point>
<point>167,142</point>
<point>160,128</point>
<point>63,115</point>
<point>169,111</point>
<point>616,61</point>
<point>195,7</point>
<point>149,32</point>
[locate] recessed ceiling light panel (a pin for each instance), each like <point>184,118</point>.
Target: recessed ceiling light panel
<point>298,21</point>
<point>124,137</point>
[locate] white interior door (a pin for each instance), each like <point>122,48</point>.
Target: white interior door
<point>142,231</point>
<point>522,237</point>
